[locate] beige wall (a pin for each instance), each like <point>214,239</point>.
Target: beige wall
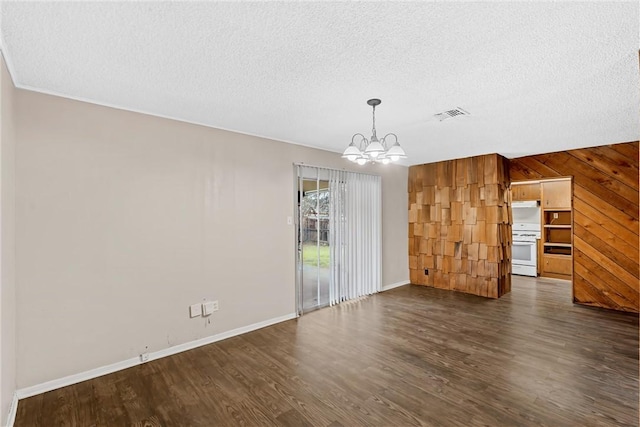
<point>123,220</point>
<point>7,245</point>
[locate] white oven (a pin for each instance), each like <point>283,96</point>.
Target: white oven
<point>524,258</point>
<point>524,249</point>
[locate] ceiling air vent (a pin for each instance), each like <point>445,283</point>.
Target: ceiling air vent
<point>451,113</point>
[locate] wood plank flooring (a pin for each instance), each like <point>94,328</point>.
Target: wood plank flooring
<point>410,356</point>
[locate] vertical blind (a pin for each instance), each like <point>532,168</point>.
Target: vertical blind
<point>355,232</point>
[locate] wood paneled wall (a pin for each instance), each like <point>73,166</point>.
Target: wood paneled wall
<point>605,232</point>
<point>459,225</point>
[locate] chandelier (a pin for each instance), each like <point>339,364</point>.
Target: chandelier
<point>362,150</point>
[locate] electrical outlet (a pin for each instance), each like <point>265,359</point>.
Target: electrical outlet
<point>216,306</point>
<point>426,272</point>
<point>144,357</point>
<point>555,215</point>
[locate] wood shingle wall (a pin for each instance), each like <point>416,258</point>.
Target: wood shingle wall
<point>605,231</point>
<point>459,225</point>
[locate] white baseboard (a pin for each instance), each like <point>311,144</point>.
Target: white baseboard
<point>108,369</point>
<point>395,285</point>
<point>13,410</point>
<point>218,337</point>
<point>34,390</point>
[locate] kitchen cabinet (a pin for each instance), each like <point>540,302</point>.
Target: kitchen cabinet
<point>557,229</point>
<point>558,266</point>
<point>556,194</point>
<point>523,191</point>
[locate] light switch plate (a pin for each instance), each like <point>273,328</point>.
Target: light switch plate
<point>207,308</point>
<point>195,310</point>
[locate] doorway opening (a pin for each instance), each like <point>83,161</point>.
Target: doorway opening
<point>542,240</point>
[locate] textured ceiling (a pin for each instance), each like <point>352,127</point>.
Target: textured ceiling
<point>535,77</point>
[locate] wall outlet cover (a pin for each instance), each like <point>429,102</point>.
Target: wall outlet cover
<point>144,357</point>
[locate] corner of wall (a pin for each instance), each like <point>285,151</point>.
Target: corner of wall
<point>7,248</point>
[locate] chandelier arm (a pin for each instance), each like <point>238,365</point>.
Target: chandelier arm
<point>356,134</point>
<point>392,134</point>
<point>384,140</point>
<point>363,140</point>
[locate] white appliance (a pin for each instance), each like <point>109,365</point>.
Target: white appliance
<point>526,212</point>
<point>524,204</point>
<point>524,254</point>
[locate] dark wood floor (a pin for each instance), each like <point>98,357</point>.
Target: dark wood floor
<point>410,356</point>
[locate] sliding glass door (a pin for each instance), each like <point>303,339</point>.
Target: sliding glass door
<point>314,242</point>
<point>339,236</point>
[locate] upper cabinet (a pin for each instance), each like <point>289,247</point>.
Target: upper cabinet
<point>523,192</point>
<point>556,194</point>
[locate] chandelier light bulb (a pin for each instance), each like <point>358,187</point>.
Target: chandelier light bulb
<point>374,150</point>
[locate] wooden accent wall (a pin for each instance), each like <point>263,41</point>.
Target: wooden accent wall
<point>605,232</point>
<point>459,225</point>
